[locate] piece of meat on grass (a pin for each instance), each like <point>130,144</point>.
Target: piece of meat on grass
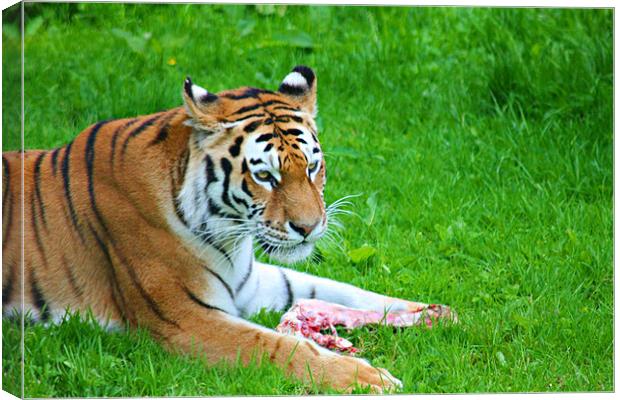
<point>309,318</point>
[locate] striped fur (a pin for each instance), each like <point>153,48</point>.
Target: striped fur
<point>152,220</point>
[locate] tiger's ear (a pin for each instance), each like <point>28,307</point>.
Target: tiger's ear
<point>300,85</point>
<point>203,107</point>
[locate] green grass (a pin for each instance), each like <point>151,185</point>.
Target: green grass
<point>480,141</point>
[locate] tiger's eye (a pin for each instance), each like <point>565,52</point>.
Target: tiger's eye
<point>313,166</point>
<point>263,175</point>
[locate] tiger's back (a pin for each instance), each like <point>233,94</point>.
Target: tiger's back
<point>66,224</point>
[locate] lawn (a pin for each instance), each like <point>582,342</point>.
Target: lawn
<point>479,142</point>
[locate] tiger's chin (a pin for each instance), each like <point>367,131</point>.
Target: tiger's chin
<point>289,254</point>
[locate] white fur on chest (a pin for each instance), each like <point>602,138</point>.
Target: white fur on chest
<point>225,275</point>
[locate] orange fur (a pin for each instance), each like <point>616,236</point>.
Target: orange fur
<point>101,234</point>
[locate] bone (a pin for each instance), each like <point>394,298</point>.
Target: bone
<point>309,318</point>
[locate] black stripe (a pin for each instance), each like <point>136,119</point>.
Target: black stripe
<point>316,150</point>
<point>90,159</point>
<point>200,302</point>
<point>285,161</point>
<point>244,166</point>
<point>255,161</point>
<point>236,148</point>
<point>7,287</point>
<point>37,186</point>
<point>268,147</point>
<point>162,134</point>
<point>240,201</point>
<point>244,118</point>
<point>216,210</point>
<point>111,272</point>
<point>144,294</point>
<point>72,281</point>
<point>245,188</point>
<point>211,243</point>
<point>289,291</point>
<point>210,170</point>
<point>115,136</point>
<point>246,278</point>
<point>251,127</point>
<point>227,168</point>
<point>55,160</point>
<point>248,93</point>
<point>67,186</point>
<point>209,240</point>
<point>37,296</point>
<point>198,195</point>
<point>288,117</point>
<point>219,278</point>
<point>137,131</point>
<point>180,168</point>
<point>179,212</point>
<point>265,137</point>
<point>255,106</point>
<point>293,131</point>
<point>147,297</point>
<point>247,108</point>
<point>213,208</point>
<point>286,108</point>
<point>37,234</point>
<point>300,140</point>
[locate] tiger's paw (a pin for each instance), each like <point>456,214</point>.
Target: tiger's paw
<point>348,373</point>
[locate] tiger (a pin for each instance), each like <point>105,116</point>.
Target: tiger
<point>152,222</point>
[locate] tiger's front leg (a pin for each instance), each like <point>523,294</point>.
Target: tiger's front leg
<point>277,288</point>
<point>221,336</point>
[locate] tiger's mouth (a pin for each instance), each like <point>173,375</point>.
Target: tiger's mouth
<point>288,253</point>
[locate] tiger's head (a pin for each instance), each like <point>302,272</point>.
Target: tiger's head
<point>255,166</point>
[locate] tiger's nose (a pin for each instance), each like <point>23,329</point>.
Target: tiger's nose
<point>303,229</point>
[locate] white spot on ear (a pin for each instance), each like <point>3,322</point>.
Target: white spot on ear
<point>198,92</point>
<point>295,79</point>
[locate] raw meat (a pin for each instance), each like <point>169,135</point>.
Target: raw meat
<point>310,318</point>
